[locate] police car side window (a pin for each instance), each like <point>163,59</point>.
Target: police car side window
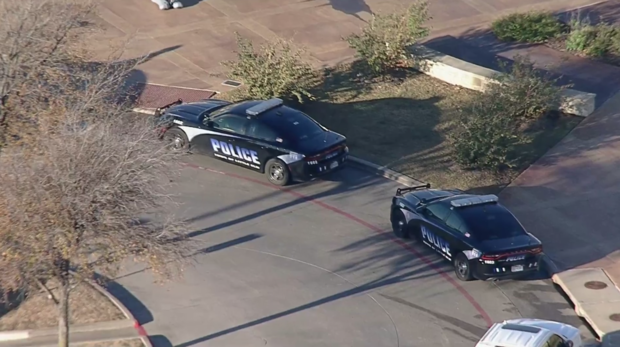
<point>455,222</point>
<point>260,131</point>
<point>231,123</point>
<point>438,211</point>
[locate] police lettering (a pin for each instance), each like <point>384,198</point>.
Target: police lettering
<point>235,151</point>
<point>516,257</point>
<point>436,241</point>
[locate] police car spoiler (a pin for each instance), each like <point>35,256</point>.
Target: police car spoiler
<point>159,110</point>
<point>400,191</point>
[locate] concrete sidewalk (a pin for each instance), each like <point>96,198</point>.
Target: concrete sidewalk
<point>188,44</point>
<point>570,199</point>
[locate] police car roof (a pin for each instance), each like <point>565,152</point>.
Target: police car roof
<point>270,114</point>
<point>194,110</point>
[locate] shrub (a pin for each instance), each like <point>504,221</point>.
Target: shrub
<point>593,40</point>
<point>490,127</point>
<point>275,70</point>
<point>531,27</point>
<point>486,136</point>
<point>526,92</point>
<point>384,43</point>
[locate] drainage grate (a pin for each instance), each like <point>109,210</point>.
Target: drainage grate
<point>595,285</point>
<point>231,83</point>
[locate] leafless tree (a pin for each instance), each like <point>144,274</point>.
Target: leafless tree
<point>73,205</point>
<point>40,41</point>
<point>76,170</point>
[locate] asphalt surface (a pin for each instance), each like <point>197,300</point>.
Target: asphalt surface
<point>315,265</point>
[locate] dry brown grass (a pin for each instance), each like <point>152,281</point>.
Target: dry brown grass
<point>86,305</point>
<point>119,343</point>
<point>403,123</point>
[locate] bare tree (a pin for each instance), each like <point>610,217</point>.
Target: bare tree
<point>73,205</point>
<point>38,38</point>
<point>76,170</point>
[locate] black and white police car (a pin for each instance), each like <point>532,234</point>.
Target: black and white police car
<point>264,136</point>
<point>482,238</point>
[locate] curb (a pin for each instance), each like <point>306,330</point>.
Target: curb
<point>385,172</point>
<point>14,335</point>
<point>149,111</point>
<point>78,328</point>
<point>133,322</point>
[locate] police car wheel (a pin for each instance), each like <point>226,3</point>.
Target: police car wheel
<point>399,225</point>
<point>176,138</point>
<point>277,172</point>
<point>462,268</point>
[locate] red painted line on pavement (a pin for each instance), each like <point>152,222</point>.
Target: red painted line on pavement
<point>140,329</point>
<point>485,316</point>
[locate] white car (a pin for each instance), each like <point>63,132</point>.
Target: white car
<point>531,333</point>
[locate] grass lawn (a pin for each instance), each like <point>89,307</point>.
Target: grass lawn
<point>86,305</point>
<point>403,124</point>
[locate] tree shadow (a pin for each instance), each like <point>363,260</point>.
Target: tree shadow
<point>160,341</point>
<point>360,289</point>
<point>140,312</point>
<point>350,180</point>
<point>350,7</point>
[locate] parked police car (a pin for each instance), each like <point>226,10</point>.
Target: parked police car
<point>264,136</point>
<point>531,333</point>
<point>479,236</point>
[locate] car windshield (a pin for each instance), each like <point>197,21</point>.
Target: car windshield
<point>294,126</point>
<point>490,222</point>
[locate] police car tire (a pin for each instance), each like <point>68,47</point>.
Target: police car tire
<point>396,217</point>
<point>468,276</point>
<point>176,132</point>
<point>285,173</point>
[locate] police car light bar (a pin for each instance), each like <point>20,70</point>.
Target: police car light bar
<point>264,107</point>
<point>400,191</point>
<point>474,200</point>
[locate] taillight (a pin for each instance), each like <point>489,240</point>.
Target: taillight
<point>536,250</point>
<point>490,257</point>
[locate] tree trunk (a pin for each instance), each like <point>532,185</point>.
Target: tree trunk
<point>63,305</point>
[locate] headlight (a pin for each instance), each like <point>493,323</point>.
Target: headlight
<point>476,253</point>
<point>295,156</point>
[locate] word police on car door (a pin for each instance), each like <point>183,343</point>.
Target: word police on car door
<point>435,242</point>
<point>236,154</point>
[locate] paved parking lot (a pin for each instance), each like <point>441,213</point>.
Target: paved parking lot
<point>315,265</point>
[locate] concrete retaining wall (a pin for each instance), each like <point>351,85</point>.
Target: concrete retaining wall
<point>471,76</point>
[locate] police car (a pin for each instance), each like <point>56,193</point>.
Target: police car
<point>264,136</point>
<point>478,235</point>
<point>531,333</point>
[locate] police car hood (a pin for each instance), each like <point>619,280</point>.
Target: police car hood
<point>317,144</point>
<point>565,330</point>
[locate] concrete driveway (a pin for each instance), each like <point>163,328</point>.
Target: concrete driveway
<point>315,265</point>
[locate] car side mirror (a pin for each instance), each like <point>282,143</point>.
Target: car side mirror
<point>209,123</point>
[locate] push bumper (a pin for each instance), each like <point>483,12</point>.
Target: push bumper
<point>506,270</point>
<point>302,171</point>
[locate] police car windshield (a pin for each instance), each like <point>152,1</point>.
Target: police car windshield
<point>293,126</point>
<point>490,222</point>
